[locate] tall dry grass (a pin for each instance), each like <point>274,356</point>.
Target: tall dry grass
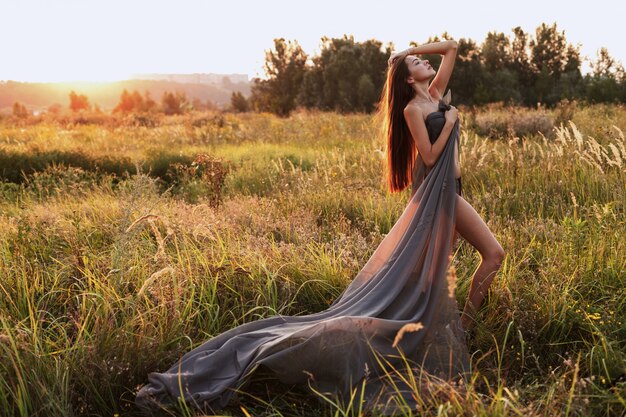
<point>106,279</point>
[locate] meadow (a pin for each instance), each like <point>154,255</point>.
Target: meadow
<point>126,243</point>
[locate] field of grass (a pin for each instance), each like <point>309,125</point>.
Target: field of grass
<point>106,276</point>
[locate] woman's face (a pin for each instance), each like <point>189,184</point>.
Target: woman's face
<point>419,69</point>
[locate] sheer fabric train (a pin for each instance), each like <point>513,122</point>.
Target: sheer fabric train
<point>404,281</point>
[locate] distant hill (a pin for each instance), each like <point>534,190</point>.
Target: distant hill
<point>196,78</point>
<point>38,96</point>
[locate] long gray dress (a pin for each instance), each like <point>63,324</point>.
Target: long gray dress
<point>404,281</point>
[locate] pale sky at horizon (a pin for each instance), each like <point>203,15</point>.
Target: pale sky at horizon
<point>71,40</point>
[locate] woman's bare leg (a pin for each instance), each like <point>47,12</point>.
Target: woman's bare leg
<point>475,231</point>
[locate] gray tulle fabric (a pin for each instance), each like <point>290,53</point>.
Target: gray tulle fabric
<point>334,351</point>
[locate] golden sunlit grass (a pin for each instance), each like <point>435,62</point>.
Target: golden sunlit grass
<point>105,278</point>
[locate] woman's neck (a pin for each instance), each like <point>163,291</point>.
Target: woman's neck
<point>424,97</point>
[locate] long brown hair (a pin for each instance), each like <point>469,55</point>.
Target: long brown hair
<point>401,148</point>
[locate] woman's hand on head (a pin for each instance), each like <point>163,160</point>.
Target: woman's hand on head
<point>394,56</point>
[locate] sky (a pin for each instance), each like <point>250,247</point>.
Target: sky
<point>106,40</point>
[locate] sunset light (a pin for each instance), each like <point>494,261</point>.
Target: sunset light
<point>103,75</point>
<point>69,40</point>
<point>306,209</point>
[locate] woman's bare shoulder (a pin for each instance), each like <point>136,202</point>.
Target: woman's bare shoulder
<point>412,105</point>
<point>413,110</point>
<point>416,109</point>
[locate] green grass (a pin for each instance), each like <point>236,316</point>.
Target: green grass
<point>93,295</point>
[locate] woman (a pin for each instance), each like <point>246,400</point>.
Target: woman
<point>360,340</point>
<point>424,128</point>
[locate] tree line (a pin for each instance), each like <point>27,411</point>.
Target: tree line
<point>134,102</point>
<point>129,102</point>
<point>348,76</point>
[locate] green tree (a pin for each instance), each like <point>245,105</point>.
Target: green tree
<point>125,105</point>
<point>284,67</point>
<point>496,51</point>
<point>137,100</point>
<point>148,103</point>
<point>543,84</point>
<point>310,94</point>
<point>78,102</point>
<point>347,76</point>
<point>238,102</point>
<point>570,85</point>
<point>174,103</point>
<point>606,81</point>
<point>20,111</point>
<point>469,77</point>
<point>367,93</point>
<point>521,66</point>
<point>548,59</point>
<point>606,66</point>
<point>499,79</point>
<point>549,48</point>
<point>134,102</point>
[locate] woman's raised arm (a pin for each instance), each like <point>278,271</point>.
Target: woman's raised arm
<point>446,48</point>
